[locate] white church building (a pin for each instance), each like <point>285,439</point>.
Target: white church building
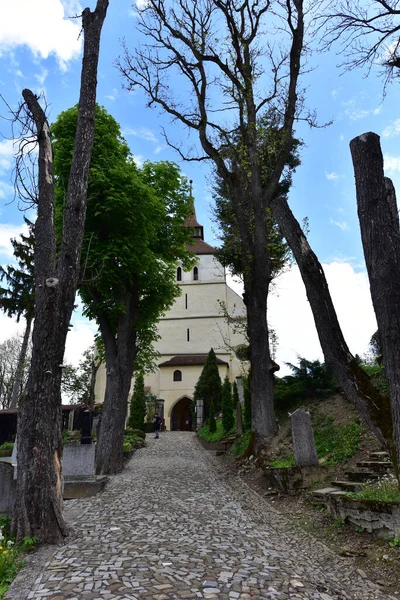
<point>188,331</point>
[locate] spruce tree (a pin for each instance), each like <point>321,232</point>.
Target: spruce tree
<point>137,410</point>
<point>227,415</point>
<point>247,403</point>
<point>208,386</point>
<point>212,424</point>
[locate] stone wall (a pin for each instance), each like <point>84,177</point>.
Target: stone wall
<point>7,488</point>
<point>381,518</point>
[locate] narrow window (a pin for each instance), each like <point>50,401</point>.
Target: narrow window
<point>195,274</point>
<point>188,336</point>
<point>185,300</point>
<point>177,375</point>
<point>179,274</point>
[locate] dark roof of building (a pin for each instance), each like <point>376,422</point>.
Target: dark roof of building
<point>200,247</point>
<point>11,411</point>
<point>184,360</point>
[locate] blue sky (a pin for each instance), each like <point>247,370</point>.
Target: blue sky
<point>40,49</point>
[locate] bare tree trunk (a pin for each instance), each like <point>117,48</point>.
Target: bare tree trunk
<point>16,391</point>
<point>379,223</point>
<point>355,383</point>
<point>120,358</point>
<point>38,509</point>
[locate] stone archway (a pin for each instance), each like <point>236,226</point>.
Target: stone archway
<point>181,418</point>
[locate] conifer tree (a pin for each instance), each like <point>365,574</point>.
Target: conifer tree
<point>227,415</point>
<point>212,424</point>
<point>247,403</point>
<point>208,386</point>
<point>18,298</point>
<point>138,404</point>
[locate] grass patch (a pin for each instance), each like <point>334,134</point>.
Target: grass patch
<point>219,434</point>
<point>336,443</point>
<point>240,445</point>
<point>283,463</point>
<point>10,563</point>
<point>385,490</point>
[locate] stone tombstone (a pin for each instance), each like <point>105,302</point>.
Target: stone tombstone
<point>86,437</point>
<point>305,452</point>
<point>78,461</point>
<point>199,413</point>
<point>239,419</point>
<point>239,383</point>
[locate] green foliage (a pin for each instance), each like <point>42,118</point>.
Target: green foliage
<point>138,404</point>
<point>129,432</point>
<point>247,403</point>
<point>9,554</point>
<point>133,231</point>
<point>7,446</point>
<point>240,445</point>
<point>377,374</point>
<point>309,379</point>
<point>385,490</point>
<point>395,542</point>
<point>76,382</point>
<point>212,425</point>
<point>227,413</point>
<point>375,347</point>
<point>18,298</point>
<point>283,463</point>
<point>336,443</point>
<point>208,386</point>
<point>216,436</point>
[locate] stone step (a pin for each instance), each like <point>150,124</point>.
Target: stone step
<point>323,494</point>
<point>379,455</point>
<point>378,466</point>
<point>350,486</point>
<point>361,475</point>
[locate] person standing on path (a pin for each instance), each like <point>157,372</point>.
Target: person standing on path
<point>157,426</point>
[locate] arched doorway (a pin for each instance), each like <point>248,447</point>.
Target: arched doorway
<point>181,418</point>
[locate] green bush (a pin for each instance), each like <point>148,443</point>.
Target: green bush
<point>127,447</point>
<point>228,420</point>
<point>6,449</point>
<point>212,425</point>
<point>9,554</point>
<point>208,386</point>
<point>216,436</point>
<point>137,411</point>
<point>337,443</point>
<point>247,403</point>
<point>240,445</point>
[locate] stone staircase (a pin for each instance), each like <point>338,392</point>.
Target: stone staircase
<point>378,464</point>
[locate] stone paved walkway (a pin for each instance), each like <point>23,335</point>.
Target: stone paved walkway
<point>173,525</point>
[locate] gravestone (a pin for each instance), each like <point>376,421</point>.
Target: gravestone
<point>305,452</point>
<point>78,461</point>
<point>86,437</point>
<point>199,412</point>
<point>239,383</point>
<point>239,419</point>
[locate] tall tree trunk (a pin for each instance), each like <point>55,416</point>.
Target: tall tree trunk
<point>38,509</point>
<point>21,362</point>
<point>120,358</point>
<point>379,222</point>
<point>356,384</point>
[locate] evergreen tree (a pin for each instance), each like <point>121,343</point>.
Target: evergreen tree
<point>235,396</point>
<point>137,411</point>
<point>247,403</point>
<point>208,386</point>
<point>227,415</point>
<point>18,298</point>
<point>212,424</point>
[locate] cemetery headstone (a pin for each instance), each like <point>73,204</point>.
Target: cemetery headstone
<point>239,419</point>
<point>86,437</point>
<point>305,452</point>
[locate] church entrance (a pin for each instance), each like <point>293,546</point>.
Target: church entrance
<point>181,418</point>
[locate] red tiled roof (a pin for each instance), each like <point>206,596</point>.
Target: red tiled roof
<point>182,360</point>
<point>200,247</point>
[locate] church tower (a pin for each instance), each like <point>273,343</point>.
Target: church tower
<point>191,328</point>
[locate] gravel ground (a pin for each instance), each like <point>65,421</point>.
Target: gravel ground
<point>176,525</point>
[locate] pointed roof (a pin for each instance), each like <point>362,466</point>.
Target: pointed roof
<point>197,245</point>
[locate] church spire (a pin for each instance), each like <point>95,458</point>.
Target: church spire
<point>191,220</point>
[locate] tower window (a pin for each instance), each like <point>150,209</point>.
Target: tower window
<point>188,335</point>
<point>186,301</point>
<point>179,274</point>
<point>177,375</point>
<point>195,273</point>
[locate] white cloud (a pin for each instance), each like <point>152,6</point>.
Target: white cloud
<point>391,163</point>
<point>353,110</point>
<point>158,149</point>
<point>6,191</point>
<point>290,315</point>
<point>142,133</point>
<point>332,176</point>
<point>341,224</point>
<point>43,26</point>
<point>41,77</point>
<point>334,93</point>
<point>113,96</point>
<point>7,232</point>
<point>7,148</point>
<point>139,160</point>
<point>392,130</point>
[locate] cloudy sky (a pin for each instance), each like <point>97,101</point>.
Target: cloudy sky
<point>40,48</point>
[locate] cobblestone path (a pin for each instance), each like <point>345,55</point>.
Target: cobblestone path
<point>174,525</point>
